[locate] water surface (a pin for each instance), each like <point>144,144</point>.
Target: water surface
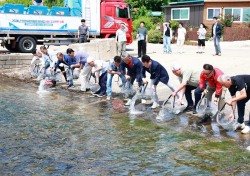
<point>67,133</point>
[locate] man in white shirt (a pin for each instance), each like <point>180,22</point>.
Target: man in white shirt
<point>99,68</point>
<point>181,37</point>
<point>121,39</point>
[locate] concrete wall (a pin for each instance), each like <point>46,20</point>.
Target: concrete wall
<point>101,49</point>
<point>15,64</point>
<point>12,61</point>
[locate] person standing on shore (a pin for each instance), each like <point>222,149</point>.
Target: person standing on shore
<point>167,36</point>
<point>83,32</point>
<point>201,38</point>
<point>216,35</point>
<point>121,39</point>
<point>142,36</point>
<point>181,37</point>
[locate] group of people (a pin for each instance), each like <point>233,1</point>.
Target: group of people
<point>130,69</point>
<point>201,35</point>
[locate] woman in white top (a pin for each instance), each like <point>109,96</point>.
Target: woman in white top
<point>201,38</point>
<point>181,37</point>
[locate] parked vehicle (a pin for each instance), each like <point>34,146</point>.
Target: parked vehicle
<point>22,28</point>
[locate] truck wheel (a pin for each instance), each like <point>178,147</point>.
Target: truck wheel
<point>9,47</point>
<point>26,44</point>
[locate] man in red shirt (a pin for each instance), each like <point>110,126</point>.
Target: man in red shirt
<point>208,84</point>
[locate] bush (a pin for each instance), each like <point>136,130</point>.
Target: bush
<point>174,24</point>
<point>154,36</point>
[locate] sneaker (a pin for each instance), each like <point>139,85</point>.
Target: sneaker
<point>241,125</point>
<point>128,102</point>
<point>155,105</point>
<point>143,101</point>
<point>95,93</point>
<point>101,95</point>
<point>108,98</point>
<point>205,118</point>
<point>71,86</point>
<point>219,54</point>
<point>188,109</point>
<point>246,130</point>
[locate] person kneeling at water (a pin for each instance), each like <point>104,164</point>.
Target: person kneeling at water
<point>134,69</point>
<point>157,74</point>
<point>189,80</point>
<point>114,68</point>
<point>67,60</point>
<point>241,84</point>
<point>99,67</point>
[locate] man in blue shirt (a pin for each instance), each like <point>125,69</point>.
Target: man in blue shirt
<point>67,60</point>
<point>134,70</point>
<point>157,74</point>
<point>85,69</point>
<point>114,68</point>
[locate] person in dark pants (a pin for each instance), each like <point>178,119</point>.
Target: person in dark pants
<point>208,84</point>
<point>142,35</point>
<point>241,84</point>
<point>83,32</point>
<point>100,68</point>
<point>216,35</point>
<point>134,71</point>
<point>189,80</point>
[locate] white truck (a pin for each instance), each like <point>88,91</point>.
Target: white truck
<point>22,28</point>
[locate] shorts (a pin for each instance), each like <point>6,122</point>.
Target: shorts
<point>201,42</point>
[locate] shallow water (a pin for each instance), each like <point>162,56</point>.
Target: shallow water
<point>66,133</point>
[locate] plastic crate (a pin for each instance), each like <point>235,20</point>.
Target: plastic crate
<point>38,10</point>
<point>13,8</point>
<point>59,11</point>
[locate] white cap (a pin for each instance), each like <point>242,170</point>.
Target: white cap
<point>124,55</point>
<point>90,59</point>
<point>175,67</point>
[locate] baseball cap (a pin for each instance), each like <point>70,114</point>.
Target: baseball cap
<point>175,67</point>
<point>90,59</point>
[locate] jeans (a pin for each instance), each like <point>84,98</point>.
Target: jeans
<point>211,90</point>
<point>69,74</point>
<point>142,48</point>
<point>188,94</point>
<point>109,83</point>
<point>241,109</point>
<point>217,45</point>
<point>167,44</point>
<point>84,77</point>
